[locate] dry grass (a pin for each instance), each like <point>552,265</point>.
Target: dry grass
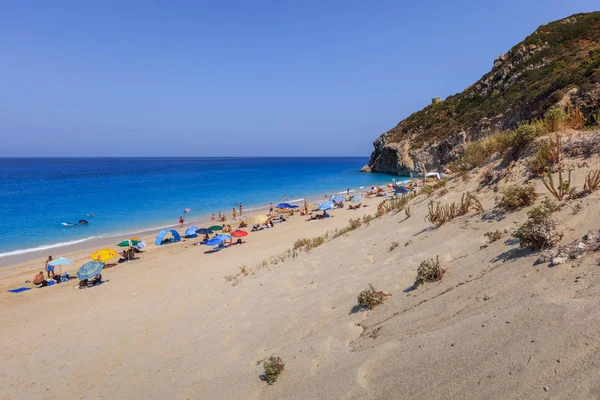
<point>393,245</point>
<point>548,155</point>
<point>592,180</point>
<point>493,236</point>
<point>540,231</point>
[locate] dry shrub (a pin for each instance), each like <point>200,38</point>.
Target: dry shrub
<point>439,213</point>
<point>370,298</point>
<point>592,180</point>
<point>493,236</point>
<point>478,153</point>
<point>430,271</point>
<point>515,197</point>
<point>548,154</point>
<point>555,119</point>
<point>575,118</point>
<point>470,202</point>
<point>301,243</point>
<point>273,366</point>
<point>367,218</point>
<point>393,245</point>
<point>487,175</point>
<point>540,231</point>
<point>428,190</point>
<point>564,185</point>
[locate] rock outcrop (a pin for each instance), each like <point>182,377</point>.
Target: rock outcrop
<point>558,65</point>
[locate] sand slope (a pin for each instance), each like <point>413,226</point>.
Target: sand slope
<point>172,326</point>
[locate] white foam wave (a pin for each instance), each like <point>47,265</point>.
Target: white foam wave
<point>46,247</point>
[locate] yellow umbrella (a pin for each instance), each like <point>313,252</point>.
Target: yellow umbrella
<point>104,255</point>
<point>261,219</point>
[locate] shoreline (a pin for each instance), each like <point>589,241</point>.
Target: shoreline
<point>27,255</point>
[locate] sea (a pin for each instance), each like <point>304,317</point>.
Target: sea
<point>127,195</point>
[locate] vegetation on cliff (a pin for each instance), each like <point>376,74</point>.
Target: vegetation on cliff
<point>556,60</point>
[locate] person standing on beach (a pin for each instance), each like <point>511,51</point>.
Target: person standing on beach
<point>240,209</point>
<point>233,213</point>
<point>181,220</point>
<point>220,216</point>
<point>270,208</point>
<point>49,268</point>
<point>284,197</point>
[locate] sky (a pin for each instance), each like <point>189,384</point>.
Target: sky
<point>240,78</point>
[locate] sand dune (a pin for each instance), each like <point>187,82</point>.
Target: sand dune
<point>171,325</point>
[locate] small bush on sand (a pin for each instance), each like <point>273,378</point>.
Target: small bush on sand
<point>354,223</point>
<point>548,154</point>
<point>515,197</point>
<point>555,119</point>
<point>540,231</point>
<point>367,218</point>
<point>393,245</point>
<point>493,236</point>
<point>564,185</point>
<point>525,133</point>
<point>430,271</point>
<point>469,202</point>
<point>428,190</point>
<point>592,180</point>
<point>370,298</point>
<point>273,367</point>
<point>438,214</point>
<point>301,243</point>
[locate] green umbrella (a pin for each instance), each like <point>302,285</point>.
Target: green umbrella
<point>216,228</point>
<point>128,243</point>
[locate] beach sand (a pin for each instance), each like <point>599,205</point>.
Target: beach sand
<point>172,326</point>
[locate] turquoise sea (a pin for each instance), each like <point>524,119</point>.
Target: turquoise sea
<point>132,194</point>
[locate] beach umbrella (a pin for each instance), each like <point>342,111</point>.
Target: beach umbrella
<point>204,231</point>
<point>89,270</point>
<point>337,198</point>
<point>191,231</point>
<point>216,228</point>
<point>326,206</point>
<point>128,242</point>
<point>104,255</point>
<point>187,210</point>
<point>140,245</point>
<point>357,199</point>
<point>59,261</point>
<point>239,233</point>
<point>223,236</point>
<point>261,219</point>
<point>214,241</point>
<point>286,205</point>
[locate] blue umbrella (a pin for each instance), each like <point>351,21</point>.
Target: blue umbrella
<point>286,205</point>
<point>357,199</point>
<point>89,270</point>
<point>326,206</point>
<point>223,237</point>
<point>337,198</point>
<point>191,231</point>
<point>204,231</point>
<point>59,261</point>
<point>214,241</point>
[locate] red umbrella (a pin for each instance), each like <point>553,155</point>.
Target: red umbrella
<point>238,233</point>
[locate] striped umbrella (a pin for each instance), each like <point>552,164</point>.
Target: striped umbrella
<point>89,270</point>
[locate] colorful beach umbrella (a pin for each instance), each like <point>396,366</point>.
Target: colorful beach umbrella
<point>191,231</point>
<point>204,231</point>
<point>239,233</point>
<point>187,210</point>
<point>216,228</point>
<point>89,270</point>
<point>213,242</point>
<point>261,219</point>
<point>357,199</point>
<point>59,261</point>
<point>286,205</point>
<point>328,205</point>
<point>104,255</point>
<point>140,245</point>
<point>128,242</point>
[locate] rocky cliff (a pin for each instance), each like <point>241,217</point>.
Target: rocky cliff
<point>559,64</point>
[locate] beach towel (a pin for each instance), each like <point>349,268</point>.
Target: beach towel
<point>19,290</point>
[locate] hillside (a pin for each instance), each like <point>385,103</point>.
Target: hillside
<point>558,64</point>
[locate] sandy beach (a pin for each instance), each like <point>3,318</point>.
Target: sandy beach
<point>177,324</point>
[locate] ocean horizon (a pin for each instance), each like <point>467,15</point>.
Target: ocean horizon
<point>131,194</point>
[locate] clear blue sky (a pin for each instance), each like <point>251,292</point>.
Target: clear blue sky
<point>240,78</point>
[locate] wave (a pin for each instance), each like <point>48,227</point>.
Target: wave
<point>47,247</point>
